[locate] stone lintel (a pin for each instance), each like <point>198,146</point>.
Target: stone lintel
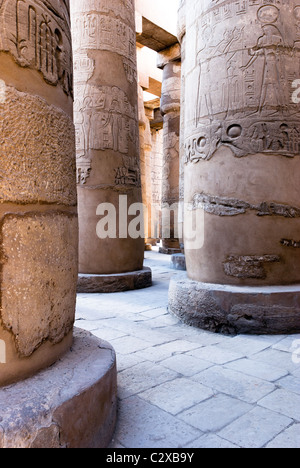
<point>153,36</point>
<point>170,54</point>
<point>235,309</point>
<point>72,404</point>
<point>115,282</point>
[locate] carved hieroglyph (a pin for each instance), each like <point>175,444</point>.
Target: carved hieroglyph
<point>254,47</point>
<point>104,117</point>
<point>242,141</point>
<point>37,34</point>
<point>38,219</point>
<point>107,132</point>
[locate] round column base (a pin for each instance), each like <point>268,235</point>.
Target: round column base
<point>178,262</point>
<point>115,283</point>
<point>235,310</point>
<point>169,251</point>
<point>72,404</point>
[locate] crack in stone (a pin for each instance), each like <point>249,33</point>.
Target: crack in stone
<point>222,206</point>
<point>290,243</point>
<point>248,266</point>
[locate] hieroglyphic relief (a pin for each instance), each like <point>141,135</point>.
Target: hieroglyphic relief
<point>94,30</point>
<point>104,120</point>
<point>254,45</point>
<point>119,9</point>
<point>37,34</point>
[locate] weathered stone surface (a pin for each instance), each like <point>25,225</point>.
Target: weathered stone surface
<point>178,262</point>
<point>38,249</point>
<point>170,108</point>
<point>242,142</point>
<point>38,220</point>
<point>73,404</point>
<point>169,250</point>
<point>106,122</point>
<point>37,34</point>
<point>221,206</point>
<point>250,110</point>
<point>36,132</point>
<point>232,310</point>
<point>115,282</point>
<point>248,266</point>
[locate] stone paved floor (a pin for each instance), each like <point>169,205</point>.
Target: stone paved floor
<point>181,387</point>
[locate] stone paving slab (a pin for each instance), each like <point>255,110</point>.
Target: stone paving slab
<point>209,441</point>
<point>180,401</point>
<point>185,387</point>
<point>143,425</point>
<point>246,388</point>
<point>257,369</point>
<point>205,417</point>
<point>216,354</point>
<point>142,377</point>
<point>256,428</point>
<point>186,365</point>
<point>290,438</point>
<point>283,402</point>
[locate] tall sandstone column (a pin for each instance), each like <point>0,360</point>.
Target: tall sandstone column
<point>71,401</point>
<point>37,189</point>
<point>170,108</point>
<point>107,133</point>
<point>242,168</point>
<point>181,31</point>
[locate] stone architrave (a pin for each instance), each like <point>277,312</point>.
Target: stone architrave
<point>107,138</point>
<point>242,167</point>
<point>170,108</point>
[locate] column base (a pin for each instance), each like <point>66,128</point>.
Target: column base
<point>169,251</point>
<point>148,247</point>
<point>73,404</point>
<point>178,262</point>
<point>115,283</point>
<point>235,310</point>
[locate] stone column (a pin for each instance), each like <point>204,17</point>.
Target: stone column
<point>71,401</point>
<point>242,168</point>
<point>145,155</point>
<point>38,190</point>
<point>108,168</point>
<point>169,61</point>
<point>178,260</point>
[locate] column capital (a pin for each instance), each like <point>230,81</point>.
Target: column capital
<point>171,54</point>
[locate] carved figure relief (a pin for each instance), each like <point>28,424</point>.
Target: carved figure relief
<point>246,105</point>
<point>104,119</point>
<point>41,39</point>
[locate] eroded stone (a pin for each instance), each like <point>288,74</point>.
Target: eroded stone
<point>39,272</point>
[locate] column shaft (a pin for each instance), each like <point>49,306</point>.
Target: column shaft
<point>242,167</point>
<point>170,107</point>
<point>38,216</point>
<point>106,118</point>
